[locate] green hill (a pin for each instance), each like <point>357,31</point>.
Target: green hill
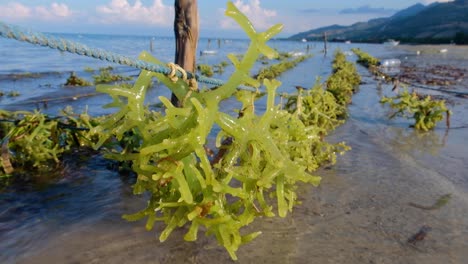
<point>436,23</point>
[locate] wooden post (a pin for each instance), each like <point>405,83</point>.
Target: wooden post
<point>186,31</point>
<point>325,48</point>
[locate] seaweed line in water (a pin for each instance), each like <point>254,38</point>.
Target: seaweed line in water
<point>443,200</point>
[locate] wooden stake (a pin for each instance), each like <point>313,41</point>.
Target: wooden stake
<point>325,43</point>
<point>186,31</point>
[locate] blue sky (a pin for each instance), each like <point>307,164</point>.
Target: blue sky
<point>155,17</point>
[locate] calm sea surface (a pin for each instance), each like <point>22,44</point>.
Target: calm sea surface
<point>359,214</point>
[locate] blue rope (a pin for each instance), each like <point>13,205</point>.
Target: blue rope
<point>17,33</point>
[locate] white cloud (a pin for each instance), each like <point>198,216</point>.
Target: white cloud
<point>261,18</point>
<point>16,11</point>
<point>55,11</point>
<point>118,11</point>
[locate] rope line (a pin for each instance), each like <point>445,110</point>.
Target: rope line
<point>173,70</point>
<point>36,38</point>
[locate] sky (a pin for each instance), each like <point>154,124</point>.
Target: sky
<point>155,17</point>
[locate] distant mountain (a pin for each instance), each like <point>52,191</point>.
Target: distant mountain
<point>410,11</point>
<point>436,23</point>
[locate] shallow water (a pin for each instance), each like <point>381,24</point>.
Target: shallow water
<point>359,214</point>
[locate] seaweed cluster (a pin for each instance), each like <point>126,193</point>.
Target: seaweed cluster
<point>425,111</point>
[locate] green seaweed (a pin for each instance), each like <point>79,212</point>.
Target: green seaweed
<point>344,80</point>
<point>268,156</point>
<point>34,140</point>
<point>89,69</point>
<point>365,58</point>
<point>277,69</point>
<point>205,70</point>
<point>13,94</point>
<point>425,111</point>
<point>74,80</point>
<point>106,76</point>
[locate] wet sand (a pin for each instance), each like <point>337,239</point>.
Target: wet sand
<point>361,212</point>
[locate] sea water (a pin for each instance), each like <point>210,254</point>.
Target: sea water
<point>359,214</point>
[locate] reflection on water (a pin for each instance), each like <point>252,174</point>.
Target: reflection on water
<point>416,142</point>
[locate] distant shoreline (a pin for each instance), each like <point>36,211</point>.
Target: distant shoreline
<point>381,41</point>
